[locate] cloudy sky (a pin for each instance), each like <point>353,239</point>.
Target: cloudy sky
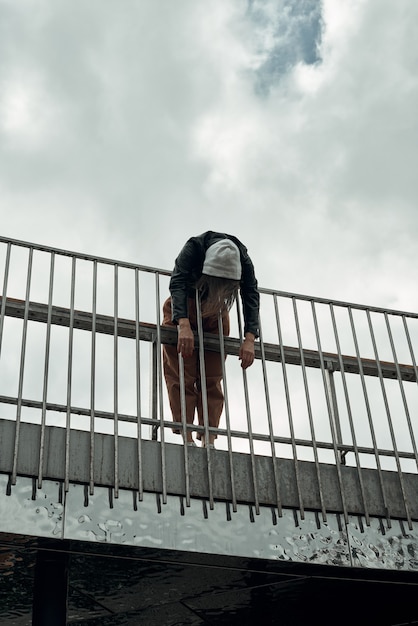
<point>126,127</point>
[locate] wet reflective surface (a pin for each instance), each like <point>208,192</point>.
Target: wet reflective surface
<point>167,564</point>
<point>198,529</point>
<point>27,510</point>
<point>152,524</point>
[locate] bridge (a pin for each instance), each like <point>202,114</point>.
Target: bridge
<point>106,517</point>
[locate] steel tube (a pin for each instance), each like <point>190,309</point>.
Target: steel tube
<point>46,370</point>
<point>184,428</point>
<point>69,376</point>
<point>249,424</point>
<point>115,379</point>
<point>138,389</point>
<point>160,388</point>
<point>203,391</point>
<point>270,423</point>
<point>22,366</point>
<point>227,416</point>
<point>93,377</point>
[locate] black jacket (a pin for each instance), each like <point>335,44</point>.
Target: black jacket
<point>188,269</point>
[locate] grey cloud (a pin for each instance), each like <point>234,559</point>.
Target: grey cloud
<point>120,90</point>
<point>290,33</point>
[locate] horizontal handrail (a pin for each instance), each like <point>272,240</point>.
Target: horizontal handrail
<point>237,434</point>
<point>82,256</point>
<point>338,303</point>
<point>147,332</point>
<point>163,272</point>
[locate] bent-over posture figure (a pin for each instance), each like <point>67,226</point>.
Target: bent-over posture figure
<point>218,266</point>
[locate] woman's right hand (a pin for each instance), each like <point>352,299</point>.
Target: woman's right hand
<point>185,342</point>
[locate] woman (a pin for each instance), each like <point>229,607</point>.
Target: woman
<point>218,266</point>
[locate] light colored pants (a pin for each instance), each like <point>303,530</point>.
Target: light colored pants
<point>192,383</point>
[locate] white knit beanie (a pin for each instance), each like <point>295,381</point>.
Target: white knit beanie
<point>223,259</point>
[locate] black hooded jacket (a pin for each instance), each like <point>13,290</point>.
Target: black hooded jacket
<point>188,269</point>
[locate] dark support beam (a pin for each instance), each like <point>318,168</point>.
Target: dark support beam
<point>50,594</point>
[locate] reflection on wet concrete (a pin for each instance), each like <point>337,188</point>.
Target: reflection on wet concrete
<point>218,531</point>
<point>199,529</point>
<point>103,519</point>
<point>167,564</point>
<point>27,510</point>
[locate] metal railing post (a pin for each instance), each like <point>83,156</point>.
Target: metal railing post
<point>333,403</point>
<point>203,391</point>
<point>22,367</point>
<point>46,371</point>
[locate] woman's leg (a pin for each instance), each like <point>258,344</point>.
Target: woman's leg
<point>172,377</point>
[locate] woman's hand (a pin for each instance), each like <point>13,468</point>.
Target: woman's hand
<point>185,342</point>
<point>246,351</point>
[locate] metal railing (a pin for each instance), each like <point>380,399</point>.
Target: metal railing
<point>80,347</point>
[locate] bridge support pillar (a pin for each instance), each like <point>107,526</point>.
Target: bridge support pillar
<point>50,593</point>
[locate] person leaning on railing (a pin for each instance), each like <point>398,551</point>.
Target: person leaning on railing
<point>218,265</point>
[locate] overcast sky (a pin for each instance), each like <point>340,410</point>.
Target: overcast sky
<point>128,126</point>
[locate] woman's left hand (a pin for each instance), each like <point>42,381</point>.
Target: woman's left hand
<point>246,351</point>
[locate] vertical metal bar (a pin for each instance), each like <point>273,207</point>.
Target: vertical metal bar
<point>289,409</point>
<point>249,425</point>
<point>389,418</point>
<point>22,368</point>
<point>160,389</point>
<point>270,423</point>
<point>369,416</point>
<point>350,416</point>
<point>115,379</point>
<point>153,388</point>
<point>203,391</point>
<point>46,371</point>
<point>138,388</point>
<point>3,300</point>
<point>402,390</point>
<point>184,427</point>
<point>93,377</point>
<point>332,416</point>
<point>333,404</point>
<point>309,408</point>
<point>182,398</point>
<point>227,417</point>
<point>69,378</point>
